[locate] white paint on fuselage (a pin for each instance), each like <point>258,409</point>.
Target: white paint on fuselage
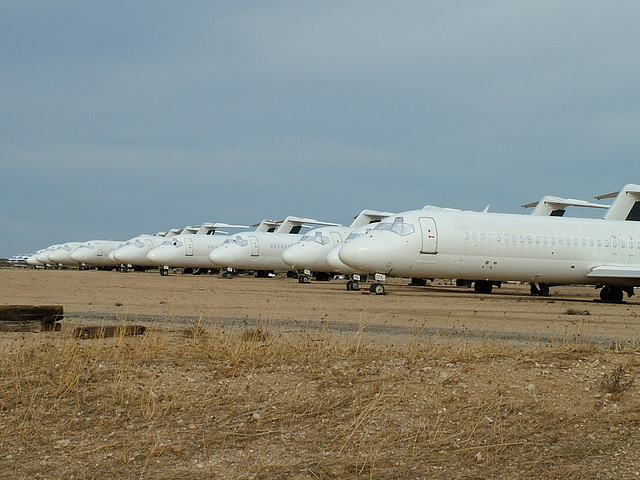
<point>254,251</point>
<point>135,250</point>
<point>310,252</point>
<point>186,251</point>
<point>498,247</point>
<point>95,253</point>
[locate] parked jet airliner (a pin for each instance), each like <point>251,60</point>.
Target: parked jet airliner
<point>189,251</point>
<point>95,253</point>
<point>492,247</point>
<point>261,251</point>
<point>310,252</point>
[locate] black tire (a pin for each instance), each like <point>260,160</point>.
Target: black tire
<point>611,294</point>
<point>377,288</point>
<point>164,272</point>
<point>483,286</point>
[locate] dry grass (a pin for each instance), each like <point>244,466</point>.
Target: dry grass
<point>210,402</point>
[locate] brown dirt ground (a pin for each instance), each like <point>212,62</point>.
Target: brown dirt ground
<point>316,382</point>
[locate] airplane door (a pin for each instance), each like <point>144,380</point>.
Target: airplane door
<point>99,249</point>
<point>149,245</point>
<point>255,246</point>
<point>336,238</point>
<point>429,235</point>
<point>615,245</point>
<point>188,243</point>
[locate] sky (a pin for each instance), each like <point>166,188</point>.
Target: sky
<point>126,117</point>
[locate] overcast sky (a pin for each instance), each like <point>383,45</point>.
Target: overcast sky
<point>120,118</point>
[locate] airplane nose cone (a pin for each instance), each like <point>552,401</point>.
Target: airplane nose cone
<point>294,256</point>
<point>349,254</point>
<point>334,260</point>
<point>32,261</point>
<point>81,255</point>
<point>119,255</point>
<point>159,256</point>
<point>58,256</point>
<point>219,256</point>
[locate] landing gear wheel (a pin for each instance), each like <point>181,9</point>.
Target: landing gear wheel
<point>544,290</point>
<point>352,286</point>
<point>377,288</point>
<point>164,272</point>
<point>483,286</point>
<point>611,294</point>
<point>228,275</point>
<point>303,279</point>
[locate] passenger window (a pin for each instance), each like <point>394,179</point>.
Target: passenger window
<point>521,238</point>
<point>599,243</point>
<point>584,242</point>
<point>537,239</point>
<point>591,242</point>
<point>553,240</point>
<point>560,241</point>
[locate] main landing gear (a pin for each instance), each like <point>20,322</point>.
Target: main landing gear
<point>541,289</point>
<point>610,294</point>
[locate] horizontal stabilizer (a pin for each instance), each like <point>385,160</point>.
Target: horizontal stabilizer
<point>555,206</point>
<point>369,216</point>
<point>266,225</point>
<point>294,224</point>
<point>210,228</point>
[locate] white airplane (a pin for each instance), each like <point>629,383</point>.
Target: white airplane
<point>41,258</point>
<point>95,253</point>
<point>261,251</point>
<point>310,252</point>
<point>548,205</point>
<point>190,251</point>
<point>495,247</point>
<point>32,260</point>
<point>62,256</point>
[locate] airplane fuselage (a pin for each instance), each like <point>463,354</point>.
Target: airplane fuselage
<point>186,251</point>
<point>254,251</point>
<point>487,246</point>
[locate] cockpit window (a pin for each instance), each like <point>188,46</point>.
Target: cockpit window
<point>238,240</point>
<point>353,235</point>
<point>397,226</point>
<point>176,243</point>
<point>138,243</point>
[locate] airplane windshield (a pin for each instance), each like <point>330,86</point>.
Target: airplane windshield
<point>138,244</point>
<point>238,240</point>
<point>317,238</point>
<point>398,226</point>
